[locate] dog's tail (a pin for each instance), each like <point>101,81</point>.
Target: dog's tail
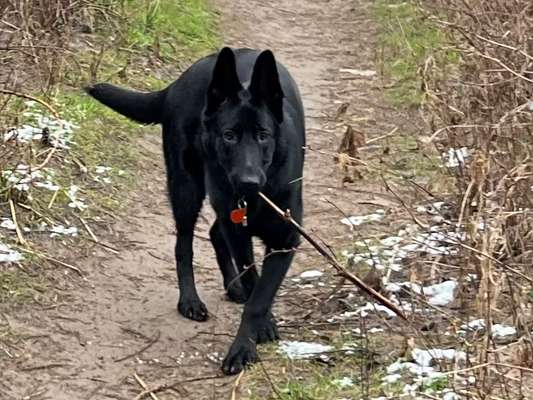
<point>146,108</point>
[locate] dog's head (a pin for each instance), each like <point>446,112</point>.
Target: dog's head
<point>242,124</point>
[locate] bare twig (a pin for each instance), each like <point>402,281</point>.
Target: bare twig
<point>21,239</point>
<point>144,386</point>
<point>141,350</point>
<point>53,260</point>
<point>325,253</point>
<point>236,386</point>
<point>88,229</point>
<point>33,98</point>
<point>166,386</point>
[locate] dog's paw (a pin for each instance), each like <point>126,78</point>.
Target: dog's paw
<point>266,329</point>
<point>236,294</point>
<point>241,353</point>
<point>193,309</point>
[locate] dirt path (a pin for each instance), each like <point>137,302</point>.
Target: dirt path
<point>123,318</point>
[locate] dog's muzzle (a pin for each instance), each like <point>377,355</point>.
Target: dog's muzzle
<point>249,185</point>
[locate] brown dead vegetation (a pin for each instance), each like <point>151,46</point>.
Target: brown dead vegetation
<point>486,106</point>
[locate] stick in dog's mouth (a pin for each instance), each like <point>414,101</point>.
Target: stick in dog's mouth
<point>345,273</point>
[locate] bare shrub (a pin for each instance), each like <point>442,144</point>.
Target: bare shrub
<point>485,104</point>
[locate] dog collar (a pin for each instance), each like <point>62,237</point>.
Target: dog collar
<point>238,215</point>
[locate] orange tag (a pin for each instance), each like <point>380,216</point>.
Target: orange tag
<point>238,216</point>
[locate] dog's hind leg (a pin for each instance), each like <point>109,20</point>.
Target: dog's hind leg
<point>186,192</point>
<point>186,212</point>
<point>232,281</point>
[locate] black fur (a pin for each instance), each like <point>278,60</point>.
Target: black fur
<point>233,125</point>
<point>141,107</point>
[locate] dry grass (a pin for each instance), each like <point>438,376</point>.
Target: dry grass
<point>485,105</point>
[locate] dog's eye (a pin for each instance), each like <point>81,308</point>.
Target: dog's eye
<point>229,136</point>
<point>262,136</point>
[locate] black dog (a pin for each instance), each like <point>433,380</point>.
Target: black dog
<point>233,124</point>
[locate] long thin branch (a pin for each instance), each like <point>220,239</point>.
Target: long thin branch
<point>342,271</point>
<point>503,65</point>
<point>30,97</point>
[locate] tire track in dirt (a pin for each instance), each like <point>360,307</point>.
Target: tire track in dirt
<point>90,346</point>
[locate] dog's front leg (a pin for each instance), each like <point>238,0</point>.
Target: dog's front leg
<point>240,244</point>
<point>257,322</point>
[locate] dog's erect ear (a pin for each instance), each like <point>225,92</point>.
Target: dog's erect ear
<point>265,86</point>
<point>225,82</point>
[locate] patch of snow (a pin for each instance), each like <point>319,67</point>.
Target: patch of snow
<point>47,185</point>
<point>451,396</point>
<point>426,358</point>
<point>311,275</point>
<point>391,241</point>
<point>75,202</point>
<point>439,294</point>
<point>422,367</point>
<point>344,382</point>
<point>307,286</point>
<point>8,223</point>
<point>104,179</point>
<point>455,157</point>
<point>21,178</point>
<point>437,242</point>
<point>395,287</point>
<point>374,307</point>
<point>499,330</point>
<point>432,209</point>
<point>388,253</point>
<point>100,169</point>
<point>411,390</point>
<point>62,230</point>
<point>8,255</point>
<point>24,134</point>
<point>357,331</point>
<point>343,316</point>
<point>474,325</point>
<point>413,368</point>
<point>362,219</point>
<point>60,131</point>
<point>300,350</point>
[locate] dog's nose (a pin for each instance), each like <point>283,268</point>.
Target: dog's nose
<point>249,184</point>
